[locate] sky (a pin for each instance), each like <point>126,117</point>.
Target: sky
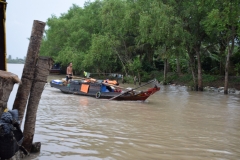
<point>20,16</point>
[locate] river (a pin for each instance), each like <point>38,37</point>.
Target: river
<point>173,124</point>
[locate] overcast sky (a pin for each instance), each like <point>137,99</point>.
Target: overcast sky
<point>20,16</point>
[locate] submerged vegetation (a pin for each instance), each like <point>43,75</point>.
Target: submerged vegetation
<point>196,41</point>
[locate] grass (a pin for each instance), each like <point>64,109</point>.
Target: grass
<point>208,80</point>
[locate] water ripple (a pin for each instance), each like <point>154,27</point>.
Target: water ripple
<point>173,124</point>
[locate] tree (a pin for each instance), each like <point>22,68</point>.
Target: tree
<point>101,53</point>
<point>224,19</point>
<point>161,29</point>
<point>115,19</point>
<point>144,33</point>
<point>68,37</point>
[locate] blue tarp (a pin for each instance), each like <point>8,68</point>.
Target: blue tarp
<point>103,88</point>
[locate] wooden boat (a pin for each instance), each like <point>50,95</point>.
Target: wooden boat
<point>56,69</point>
<point>101,90</point>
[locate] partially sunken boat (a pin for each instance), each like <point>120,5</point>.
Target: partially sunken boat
<point>102,90</point>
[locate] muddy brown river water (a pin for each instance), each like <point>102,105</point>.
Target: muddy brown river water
<point>173,124</point>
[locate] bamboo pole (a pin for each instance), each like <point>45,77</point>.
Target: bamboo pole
<point>29,68</point>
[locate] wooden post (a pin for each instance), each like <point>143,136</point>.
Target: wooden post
<point>3,62</point>
<point>43,67</point>
<point>29,68</point>
<point>7,81</point>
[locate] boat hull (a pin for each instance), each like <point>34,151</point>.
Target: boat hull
<point>55,71</point>
<point>95,91</point>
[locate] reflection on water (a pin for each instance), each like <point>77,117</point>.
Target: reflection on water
<point>173,124</point>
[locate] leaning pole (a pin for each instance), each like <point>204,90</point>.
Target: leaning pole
<point>29,68</point>
<point>44,64</point>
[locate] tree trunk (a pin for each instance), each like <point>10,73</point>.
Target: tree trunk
<point>139,79</point>
<point>135,80</point>
<point>226,74</point>
<point>221,53</point>
<point>168,66</point>
<point>200,85</point>
<point>121,62</point>
<point>43,66</point>
<point>192,67</point>
<point>179,72</point>
<point>29,68</point>
<point>230,50</point>
<point>165,71</point>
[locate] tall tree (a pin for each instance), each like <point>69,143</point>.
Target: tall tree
<point>161,29</point>
<point>192,14</point>
<point>224,18</point>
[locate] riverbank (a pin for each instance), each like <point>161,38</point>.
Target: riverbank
<point>210,82</point>
<point>213,81</point>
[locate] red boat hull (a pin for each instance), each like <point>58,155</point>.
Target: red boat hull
<point>142,96</point>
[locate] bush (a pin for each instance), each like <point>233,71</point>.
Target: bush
<point>145,77</point>
<point>128,79</point>
<point>209,78</point>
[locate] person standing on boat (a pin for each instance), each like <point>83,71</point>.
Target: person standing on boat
<point>69,72</point>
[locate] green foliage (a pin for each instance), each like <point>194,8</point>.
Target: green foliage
<point>136,65</point>
<point>237,69</point>
<point>132,37</point>
<point>236,80</point>
<point>101,53</point>
<point>187,78</point>
<point>145,76</point>
<point>209,78</point>
<point>128,79</point>
<point>183,64</point>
